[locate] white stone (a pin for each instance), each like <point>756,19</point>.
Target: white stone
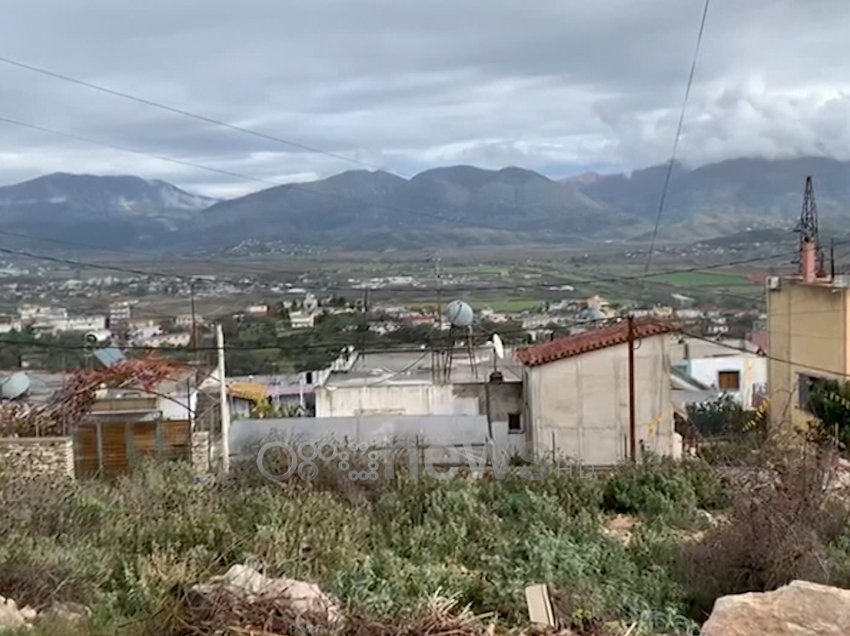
<point>798,609</point>
<point>249,584</point>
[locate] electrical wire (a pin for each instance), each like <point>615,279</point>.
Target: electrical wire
<point>671,163</point>
<point>185,113</point>
<point>290,186</point>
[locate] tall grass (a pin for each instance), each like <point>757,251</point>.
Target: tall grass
<point>126,548</point>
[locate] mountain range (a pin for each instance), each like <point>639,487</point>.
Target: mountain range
<point>452,206</point>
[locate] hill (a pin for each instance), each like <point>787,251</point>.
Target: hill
<point>729,196</point>
<point>109,210</point>
<point>449,206</point>
<point>458,205</point>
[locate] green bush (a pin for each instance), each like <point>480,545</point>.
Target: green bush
<point>125,547</point>
<point>661,487</point>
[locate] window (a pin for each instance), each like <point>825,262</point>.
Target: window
<point>309,378</point>
<point>729,380</point>
<point>514,423</point>
<point>805,385</point>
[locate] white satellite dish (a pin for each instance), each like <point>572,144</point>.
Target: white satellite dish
<point>498,354</point>
<point>498,346</point>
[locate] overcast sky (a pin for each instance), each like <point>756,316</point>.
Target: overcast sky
<point>559,86</point>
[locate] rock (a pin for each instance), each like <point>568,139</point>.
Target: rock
<point>250,585</point>
<point>10,616</point>
<point>64,612</point>
<point>621,528</point>
<point>798,609</point>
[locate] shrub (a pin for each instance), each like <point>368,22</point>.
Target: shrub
<point>780,527</point>
<point>661,487</point>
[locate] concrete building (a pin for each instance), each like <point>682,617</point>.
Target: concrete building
<point>408,384</point>
<point>577,394</point>
<point>302,319</point>
<point>732,367</point>
<point>70,323</point>
<point>30,314</point>
<point>120,313</point>
<point>808,340</point>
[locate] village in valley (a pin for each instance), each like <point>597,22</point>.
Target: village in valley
<point>364,318</point>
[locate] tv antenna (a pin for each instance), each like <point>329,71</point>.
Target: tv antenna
<point>810,253</point>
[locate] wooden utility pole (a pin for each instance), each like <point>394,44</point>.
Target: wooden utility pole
<point>632,426</point>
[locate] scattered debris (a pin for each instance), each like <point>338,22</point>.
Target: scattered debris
<point>540,610</point>
<point>798,609</point>
<point>621,527</point>
<point>243,589</point>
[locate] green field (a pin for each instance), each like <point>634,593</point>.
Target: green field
<point>703,279</point>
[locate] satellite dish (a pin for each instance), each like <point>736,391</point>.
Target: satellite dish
<point>498,346</point>
<point>459,314</point>
<point>15,386</point>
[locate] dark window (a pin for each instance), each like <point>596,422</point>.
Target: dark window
<point>514,423</point>
<point>805,385</point>
<point>729,380</point>
<point>309,378</point>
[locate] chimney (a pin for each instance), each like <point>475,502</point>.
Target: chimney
<point>808,261</point>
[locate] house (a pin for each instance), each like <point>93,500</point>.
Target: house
<point>120,313</point>
<point>417,384</point>
<point>302,319</point>
<point>808,325</point>
<point>732,367</point>
<point>598,305</point>
<point>257,310</point>
<point>577,394</point>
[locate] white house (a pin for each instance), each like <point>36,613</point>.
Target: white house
<point>302,319</point>
<point>731,366</point>
<point>577,394</point>
<point>408,384</point>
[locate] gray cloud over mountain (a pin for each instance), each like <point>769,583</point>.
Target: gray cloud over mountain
<point>553,85</point>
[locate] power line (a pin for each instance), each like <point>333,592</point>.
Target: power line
<point>672,161</point>
<point>290,186</point>
<point>185,113</point>
<point>766,355</point>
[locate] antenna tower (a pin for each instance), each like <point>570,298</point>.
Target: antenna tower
<point>808,230</point>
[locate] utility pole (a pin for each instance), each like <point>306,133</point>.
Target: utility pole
<point>225,407</point>
<point>439,292</point>
<point>194,320</point>
<point>632,426</point>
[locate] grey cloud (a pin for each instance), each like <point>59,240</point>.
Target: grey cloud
<point>552,84</point>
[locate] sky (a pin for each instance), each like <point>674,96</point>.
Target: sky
<point>557,86</point>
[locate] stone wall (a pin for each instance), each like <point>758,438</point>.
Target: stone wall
<point>37,456</point>
<point>201,451</point>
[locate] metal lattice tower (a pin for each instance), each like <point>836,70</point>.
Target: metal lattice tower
<point>808,225</point>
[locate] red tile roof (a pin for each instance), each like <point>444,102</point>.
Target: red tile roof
<point>587,341</point>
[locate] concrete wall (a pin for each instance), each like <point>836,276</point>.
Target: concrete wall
<point>752,370</point>
<point>421,399</point>
<point>37,457</point>
<point>808,334</point>
<point>179,406</point>
<point>246,435</point>
<point>391,399</point>
<point>580,404</point>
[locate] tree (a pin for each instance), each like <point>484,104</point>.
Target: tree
<point>829,401</point>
